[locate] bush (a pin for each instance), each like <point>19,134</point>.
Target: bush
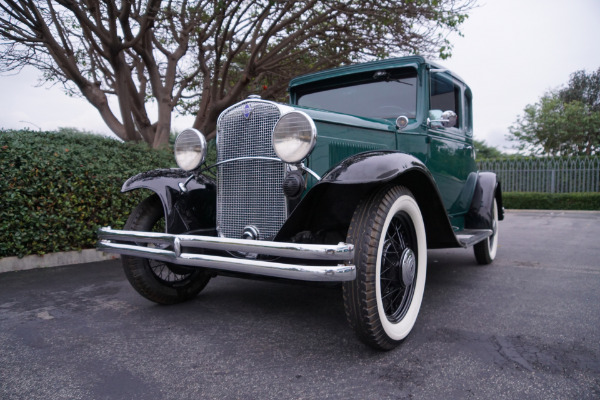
<point>552,201</point>
<point>58,188</point>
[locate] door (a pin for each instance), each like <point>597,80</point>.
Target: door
<point>451,156</point>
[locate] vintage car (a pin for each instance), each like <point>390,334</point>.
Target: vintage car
<point>368,167</point>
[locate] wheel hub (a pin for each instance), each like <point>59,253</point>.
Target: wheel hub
<point>408,264</point>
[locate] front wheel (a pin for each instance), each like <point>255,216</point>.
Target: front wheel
<point>383,302</point>
<point>158,281</point>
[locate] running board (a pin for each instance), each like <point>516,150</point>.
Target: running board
<point>469,237</point>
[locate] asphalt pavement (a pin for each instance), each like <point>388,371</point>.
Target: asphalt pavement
<point>527,326</point>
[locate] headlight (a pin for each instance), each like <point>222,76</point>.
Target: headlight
<point>190,149</point>
<point>294,137</point>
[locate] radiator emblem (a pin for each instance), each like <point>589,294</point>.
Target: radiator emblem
<point>247,110</point>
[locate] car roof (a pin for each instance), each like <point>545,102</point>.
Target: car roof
<point>409,61</point>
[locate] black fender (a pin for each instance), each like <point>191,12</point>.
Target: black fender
<point>329,205</point>
<point>185,211</point>
<point>480,214</point>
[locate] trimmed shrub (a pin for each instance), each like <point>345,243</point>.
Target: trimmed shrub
<point>552,201</point>
<point>58,188</point>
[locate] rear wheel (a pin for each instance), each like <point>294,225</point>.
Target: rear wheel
<point>485,251</point>
<point>158,281</point>
<point>383,302</point>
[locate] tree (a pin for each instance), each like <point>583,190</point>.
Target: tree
<point>483,150</point>
<point>203,56</point>
<point>584,88</point>
<point>564,122</point>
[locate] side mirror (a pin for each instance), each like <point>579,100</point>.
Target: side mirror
<point>448,119</point>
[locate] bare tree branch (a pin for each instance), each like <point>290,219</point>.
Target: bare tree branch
<point>202,56</point>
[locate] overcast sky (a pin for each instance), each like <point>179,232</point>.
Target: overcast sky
<point>511,53</point>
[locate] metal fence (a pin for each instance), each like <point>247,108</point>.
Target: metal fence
<point>547,175</point>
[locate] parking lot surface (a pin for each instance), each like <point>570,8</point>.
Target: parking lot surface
<point>527,326</point>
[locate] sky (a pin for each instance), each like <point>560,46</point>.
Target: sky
<point>510,54</point>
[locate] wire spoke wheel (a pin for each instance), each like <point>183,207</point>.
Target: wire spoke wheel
<point>165,273</point>
<point>388,232</point>
<point>397,276</point>
<point>161,282</point>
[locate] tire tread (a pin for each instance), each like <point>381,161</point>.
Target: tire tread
<point>138,271</point>
<point>362,313</point>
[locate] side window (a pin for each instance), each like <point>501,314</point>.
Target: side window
<point>445,95</point>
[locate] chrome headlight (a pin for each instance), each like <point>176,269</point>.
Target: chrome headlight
<point>190,149</point>
<point>294,137</point>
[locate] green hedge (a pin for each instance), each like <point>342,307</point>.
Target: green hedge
<point>552,201</point>
<point>58,188</point>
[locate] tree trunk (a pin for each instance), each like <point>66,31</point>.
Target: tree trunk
<point>162,128</point>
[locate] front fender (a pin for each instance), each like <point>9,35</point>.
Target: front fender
<point>328,207</point>
<point>185,211</point>
<point>373,167</point>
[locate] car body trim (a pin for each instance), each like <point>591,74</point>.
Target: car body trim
<point>111,241</point>
<point>470,237</point>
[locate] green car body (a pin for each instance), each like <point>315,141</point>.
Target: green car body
<point>367,167</point>
<point>448,153</point>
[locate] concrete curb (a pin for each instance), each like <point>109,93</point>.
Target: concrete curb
<point>9,264</point>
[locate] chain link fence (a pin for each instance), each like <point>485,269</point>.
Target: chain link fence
<point>546,175</point>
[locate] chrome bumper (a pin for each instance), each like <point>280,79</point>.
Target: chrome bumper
<point>167,248</point>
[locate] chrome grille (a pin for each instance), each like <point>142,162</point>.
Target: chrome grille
<point>249,191</point>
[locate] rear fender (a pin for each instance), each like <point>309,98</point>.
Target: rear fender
<point>480,214</point>
<point>185,211</point>
<point>330,204</point>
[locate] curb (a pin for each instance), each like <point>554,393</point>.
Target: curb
<point>10,264</point>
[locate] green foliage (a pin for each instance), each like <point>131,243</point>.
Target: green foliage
<point>58,188</point>
<point>552,201</point>
<point>484,151</point>
<point>584,88</point>
<point>563,122</point>
<point>211,158</point>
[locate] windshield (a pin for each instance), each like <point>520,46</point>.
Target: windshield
<point>388,97</point>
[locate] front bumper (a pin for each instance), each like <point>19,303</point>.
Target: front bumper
<point>168,248</point>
